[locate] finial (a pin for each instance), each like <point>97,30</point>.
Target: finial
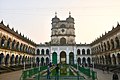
<point>69,13</point>
<point>113,27</point>
<point>17,31</point>
<point>117,23</point>
<point>13,29</point>
<point>8,25</point>
<point>2,22</point>
<point>55,14</point>
<point>105,32</point>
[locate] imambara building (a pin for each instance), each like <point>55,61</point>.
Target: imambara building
<point>16,49</point>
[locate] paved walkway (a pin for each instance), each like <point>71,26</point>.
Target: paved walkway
<point>105,75</point>
<point>16,75</point>
<point>11,75</point>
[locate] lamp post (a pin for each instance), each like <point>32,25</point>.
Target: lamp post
<point>93,66</point>
<point>77,67</point>
<point>39,66</point>
<point>93,63</point>
<point>39,72</point>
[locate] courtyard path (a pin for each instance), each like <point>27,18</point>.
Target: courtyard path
<point>105,75</point>
<point>11,75</point>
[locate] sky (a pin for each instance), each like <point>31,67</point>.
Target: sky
<point>33,17</point>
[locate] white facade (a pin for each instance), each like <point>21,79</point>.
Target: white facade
<point>62,47</point>
<point>67,50</point>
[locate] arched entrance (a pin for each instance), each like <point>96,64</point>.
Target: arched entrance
<point>79,61</point>
<point>89,61</point>
<point>42,61</point>
<point>37,60</point>
<point>47,61</point>
<point>63,57</point>
<point>1,58</point>
<point>118,56</point>
<point>12,60</point>
<point>109,60</point>
<point>114,59</point>
<point>83,60</point>
<point>16,59</point>
<point>23,59</point>
<point>54,58</point>
<point>71,58</point>
<point>6,59</point>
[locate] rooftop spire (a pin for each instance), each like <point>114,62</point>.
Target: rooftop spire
<point>55,14</point>
<point>69,13</point>
<point>2,22</point>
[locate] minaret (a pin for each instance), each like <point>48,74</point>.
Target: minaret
<point>63,31</point>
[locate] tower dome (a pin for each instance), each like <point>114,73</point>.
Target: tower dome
<point>70,19</point>
<point>55,19</point>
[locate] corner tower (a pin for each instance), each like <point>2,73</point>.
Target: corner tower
<point>63,31</point>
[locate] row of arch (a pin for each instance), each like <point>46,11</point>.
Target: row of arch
<point>15,45</point>
<point>108,59</point>
<point>83,52</point>
<point>45,61</point>
<point>43,51</point>
<point>107,45</point>
<point>63,58</point>
<point>42,61</point>
<point>10,60</point>
<point>84,60</point>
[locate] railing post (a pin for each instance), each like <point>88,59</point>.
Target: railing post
<point>39,72</point>
<point>24,65</point>
<point>77,68</point>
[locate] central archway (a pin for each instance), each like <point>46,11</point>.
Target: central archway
<point>63,57</point>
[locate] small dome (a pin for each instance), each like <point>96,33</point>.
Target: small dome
<point>70,19</point>
<point>55,19</point>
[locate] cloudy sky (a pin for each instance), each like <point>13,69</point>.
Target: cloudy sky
<point>33,17</point>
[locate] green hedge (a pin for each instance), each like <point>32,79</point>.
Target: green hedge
<point>30,72</point>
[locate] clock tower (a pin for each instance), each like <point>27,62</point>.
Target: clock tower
<point>63,31</point>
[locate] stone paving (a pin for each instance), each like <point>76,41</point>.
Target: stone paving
<point>11,75</point>
<point>16,75</point>
<point>105,75</point>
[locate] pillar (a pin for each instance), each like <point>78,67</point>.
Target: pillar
<point>58,58</point>
<point>67,58</point>
<point>5,44</point>
<point>67,55</point>
<point>45,60</point>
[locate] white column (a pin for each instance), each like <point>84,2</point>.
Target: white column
<point>58,58</point>
<point>50,55</point>
<point>58,55</point>
<point>68,59</point>
<point>67,55</point>
<point>75,55</point>
<point>45,60</point>
<point>116,60</point>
